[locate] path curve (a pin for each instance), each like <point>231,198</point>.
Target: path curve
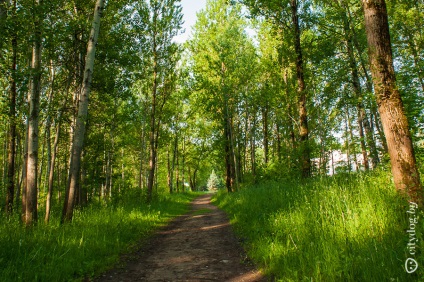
<point>198,246</point>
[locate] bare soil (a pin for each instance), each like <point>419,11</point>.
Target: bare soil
<point>198,246</point>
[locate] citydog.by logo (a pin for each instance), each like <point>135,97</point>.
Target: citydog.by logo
<point>411,265</point>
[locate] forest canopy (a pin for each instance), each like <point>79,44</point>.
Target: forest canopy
<point>100,102</point>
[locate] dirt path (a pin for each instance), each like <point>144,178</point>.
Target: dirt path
<point>198,246</point>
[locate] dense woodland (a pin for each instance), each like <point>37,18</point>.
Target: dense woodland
<point>98,100</point>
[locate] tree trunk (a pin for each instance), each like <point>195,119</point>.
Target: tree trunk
<point>177,172</point>
<point>234,167</point>
<point>347,142</point>
<point>278,133</point>
<point>4,162</point>
<point>152,160</point>
<point>228,168</point>
<point>168,159</point>
<point>358,92</point>
<point>52,158</point>
<point>377,123</point>
<point>390,106</point>
<point>183,166</point>
<point>51,173</point>
<point>364,125</point>
<point>31,216</point>
<point>353,151</point>
<point>11,152</point>
<point>24,171</point>
<point>174,157</point>
<point>78,138</point>
<point>265,132</point>
<point>141,168</point>
<point>301,91</point>
<point>253,145</point>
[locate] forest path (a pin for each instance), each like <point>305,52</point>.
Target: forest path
<point>198,246</point>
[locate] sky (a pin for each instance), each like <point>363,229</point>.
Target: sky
<point>190,8</point>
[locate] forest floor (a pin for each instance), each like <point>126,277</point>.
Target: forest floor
<point>198,246</point>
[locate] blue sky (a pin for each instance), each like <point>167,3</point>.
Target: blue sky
<point>190,8</point>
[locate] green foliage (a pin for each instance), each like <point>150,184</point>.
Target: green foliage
<point>214,182</point>
<point>341,228</point>
<point>91,244</point>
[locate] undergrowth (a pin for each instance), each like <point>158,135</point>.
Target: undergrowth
<point>87,246</point>
<point>341,228</point>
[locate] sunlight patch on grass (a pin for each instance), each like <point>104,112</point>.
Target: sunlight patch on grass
<point>87,246</point>
<point>344,228</point>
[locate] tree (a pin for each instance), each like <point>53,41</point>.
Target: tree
<point>223,59</point>
<point>276,11</point>
<point>164,24</point>
<point>78,138</point>
<point>389,101</point>
<point>30,215</point>
<point>12,113</point>
<point>213,181</point>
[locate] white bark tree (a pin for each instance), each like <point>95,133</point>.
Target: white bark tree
<point>78,137</point>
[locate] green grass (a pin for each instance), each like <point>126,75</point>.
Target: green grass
<point>89,245</point>
<point>342,228</point>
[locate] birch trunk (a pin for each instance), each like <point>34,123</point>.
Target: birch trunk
<point>152,160</point>
<point>30,216</point>
<point>78,138</point>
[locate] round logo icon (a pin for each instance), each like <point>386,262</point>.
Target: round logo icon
<point>411,265</point>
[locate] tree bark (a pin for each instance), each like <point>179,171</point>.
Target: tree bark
<point>31,216</point>
<point>301,91</point>
<point>349,128</point>
<point>11,152</point>
<point>168,154</point>
<point>78,138</point>
<point>51,174</point>
<point>228,146</point>
<point>395,124</point>
<point>52,158</point>
<point>358,92</point>
<point>174,157</point>
<point>234,167</point>
<point>252,133</point>
<point>183,165</point>
<point>24,171</point>
<point>152,139</point>
<point>265,132</point>
<point>142,148</point>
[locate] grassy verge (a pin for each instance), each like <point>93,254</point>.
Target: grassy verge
<point>343,228</point>
<point>89,245</point>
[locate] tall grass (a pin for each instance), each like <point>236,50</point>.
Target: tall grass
<point>341,228</point>
<point>91,244</point>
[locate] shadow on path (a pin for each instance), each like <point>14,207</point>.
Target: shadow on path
<point>198,246</point>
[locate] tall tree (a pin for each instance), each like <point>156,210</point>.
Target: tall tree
<point>276,11</point>
<point>30,215</point>
<point>165,23</point>
<point>78,137</point>
<point>390,106</point>
<point>301,91</point>
<point>222,59</point>
<point>11,152</point>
